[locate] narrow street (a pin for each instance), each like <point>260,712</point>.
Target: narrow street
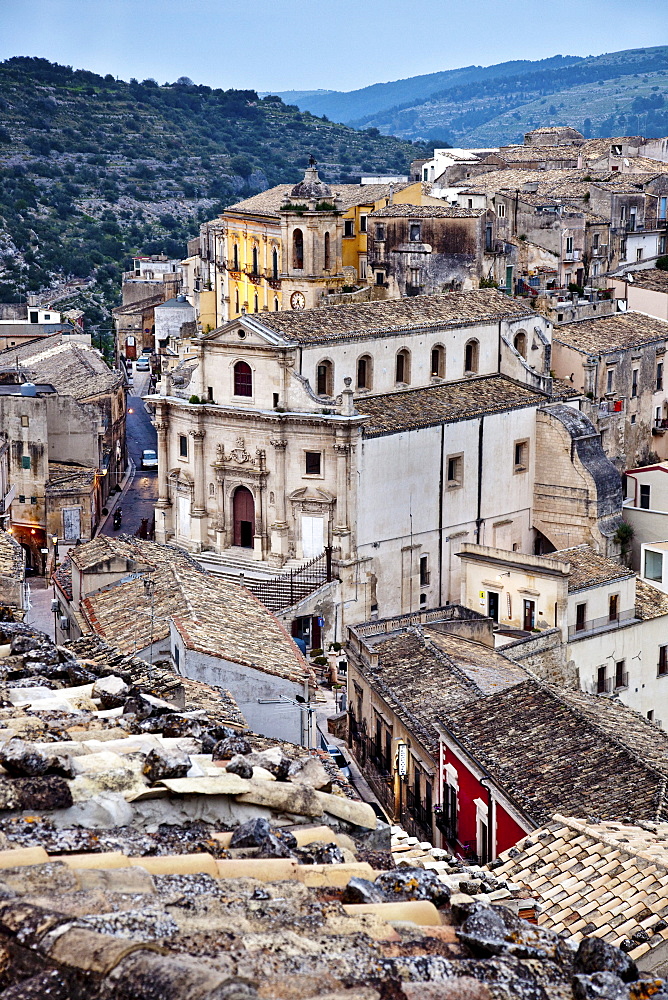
<point>140,496</point>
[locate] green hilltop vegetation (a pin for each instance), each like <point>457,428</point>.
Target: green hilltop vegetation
<point>620,93</point>
<point>94,170</point>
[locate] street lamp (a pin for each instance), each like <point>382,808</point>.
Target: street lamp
<point>54,539</point>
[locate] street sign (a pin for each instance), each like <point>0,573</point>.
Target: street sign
<point>321,622</point>
<point>402,760</point>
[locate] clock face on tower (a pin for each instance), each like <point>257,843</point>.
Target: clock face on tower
<point>297,300</point>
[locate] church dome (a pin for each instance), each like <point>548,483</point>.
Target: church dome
<point>311,188</point>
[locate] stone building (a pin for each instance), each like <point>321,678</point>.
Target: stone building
<point>152,281</point>
<point>617,362</point>
<point>63,412</point>
<point>12,573</point>
<point>436,404</point>
<point>422,249</point>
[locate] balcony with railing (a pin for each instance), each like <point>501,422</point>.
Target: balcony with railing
<point>415,817</point>
<point>604,624</point>
<point>375,766</point>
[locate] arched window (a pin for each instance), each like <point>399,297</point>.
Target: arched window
<point>274,264</point>
<point>402,374</point>
<point>364,372</point>
<point>256,263</point>
<point>328,262</point>
<point>521,343</point>
<point>255,304</point>
<point>235,257</point>
<point>236,301</point>
<point>471,356</point>
<point>325,378</point>
<point>438,361</point>
<point>298,250</point>
<point>243,379</point>
<point>275,304</point>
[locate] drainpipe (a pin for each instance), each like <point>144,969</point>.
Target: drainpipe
<point>440,520</point>
<point>478,520</point>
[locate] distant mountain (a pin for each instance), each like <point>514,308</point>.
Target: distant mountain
<point>616,93</point>
<point>355,104</point>
<point>94,170</point>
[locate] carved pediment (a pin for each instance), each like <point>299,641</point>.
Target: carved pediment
<point>307,495</point>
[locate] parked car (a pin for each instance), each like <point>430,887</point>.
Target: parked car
<point>149,459</point>
<point>338,758</point>
<point>142,365</point>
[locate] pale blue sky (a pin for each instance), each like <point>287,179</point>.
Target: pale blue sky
<point>335,45</point>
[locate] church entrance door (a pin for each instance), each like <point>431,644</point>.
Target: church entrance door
<point>244,517</point>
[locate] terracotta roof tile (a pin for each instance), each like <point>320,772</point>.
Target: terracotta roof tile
<point>611,333</point>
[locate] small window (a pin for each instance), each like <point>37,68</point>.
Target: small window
<point>25,461</point>
<point>362,223</point>
<point>521,456</point>
<point>364,372</point>
<point>501,211</point>
<point>424,571</point>
<point>521,343</point>
<point>255,304</point>
<point>613,608</point>
<point>455,471</point>
<point>313,463</point>
<point>653,566</point>
<point>569,244</point>
<point>602,680</point>
<point>236,301</point>
<point>235,257</point>
<point>243,379</point>
<point>328,262</point>
<point>650,715</point>
<point>34,317</point>
<point>580,617</point>
<point>380,231</point>
<point>610,380</point>
<point>622,249</point>
<point>663,660</point>
<point>415,232</point>
<point>25,421</point>
<point>183,446</point>
<point>298,250</point>
<point>621,677</point>
<point>380,278</point>
<point>256,262</point>
<point>659,376</point>
<point>362,268</point>
<point>634,383</point>
<point>471,357</point>
<point>402,374</point>
<point>324,378</point>
<point>274,264</point>
<point>438,361</point>
<point>275,305</point>
<point>348,227</point>
<point>644,497</point>
<point>639,253</point>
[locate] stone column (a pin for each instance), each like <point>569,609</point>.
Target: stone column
<point>162,508</point>
<point>279,528</point>
<point>342,528</point>
<point>198,513</point>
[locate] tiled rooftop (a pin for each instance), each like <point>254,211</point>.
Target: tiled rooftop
<point>553,749</point>
<point>652,279</point>
<point>410,409</point>
<point>426,212</point>
<point>650,601</point>
<point>73,369</point>
<point>364,319</point>
<point>611,333</point>
<point>588,569</point>
<point>269,202</point>
<point>605,879</point>
<point>422,674</point>
<point>67,478</point>
<point>212,615</point>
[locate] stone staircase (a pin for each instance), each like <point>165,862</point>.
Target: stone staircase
<point>238,562</point>
<point>277,588</point>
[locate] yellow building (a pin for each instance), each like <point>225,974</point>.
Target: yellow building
<point>248,257</point>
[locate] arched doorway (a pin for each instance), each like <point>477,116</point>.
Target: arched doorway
<point>244,517</point>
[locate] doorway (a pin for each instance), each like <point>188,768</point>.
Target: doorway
<point>244,517</point>
<point>493,605</point>
<point>529,615</point>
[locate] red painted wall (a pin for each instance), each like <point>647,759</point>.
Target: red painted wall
<point>508,832</point>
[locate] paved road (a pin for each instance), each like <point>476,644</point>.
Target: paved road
<point>139,499</point>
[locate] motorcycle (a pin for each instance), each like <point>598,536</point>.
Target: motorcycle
<point>118,516</point>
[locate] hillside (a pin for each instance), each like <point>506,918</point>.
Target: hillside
<point>355,104</point>
<point>619,92</point>
<point>93,170</point>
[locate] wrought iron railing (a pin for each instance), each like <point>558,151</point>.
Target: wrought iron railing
<point>281,592</point>
<point>375,766</point>
<point>606,622</point>
<point>415,816</point>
